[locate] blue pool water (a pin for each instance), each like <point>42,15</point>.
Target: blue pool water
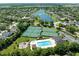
<point>43,16</point>
<point>44,43</point>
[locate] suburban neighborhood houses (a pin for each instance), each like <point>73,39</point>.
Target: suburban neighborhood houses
<point>39,29</point>
<point>6,33</point>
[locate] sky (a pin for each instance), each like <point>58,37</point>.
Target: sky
<point>39,1</point>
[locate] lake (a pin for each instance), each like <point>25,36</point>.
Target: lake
<point>43,16</point>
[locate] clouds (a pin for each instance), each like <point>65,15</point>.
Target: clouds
<point>39,1</point>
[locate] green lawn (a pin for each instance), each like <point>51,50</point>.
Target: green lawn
<point>77,54</point>
<point>54,17</point>
<point>15,45</point>
<point>36,22</point>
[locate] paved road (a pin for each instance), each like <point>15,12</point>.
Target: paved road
<point>69,38</point>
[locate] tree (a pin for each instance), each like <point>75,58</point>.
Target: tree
<point>74,47</point>
<point>9,40</point>
<point>3,26</point>
<point>47,52</point>
<point>61,49</point>
<point>16,53</point>
<point>71,29</point>
<point>22,26</point>
<point>35,52</point>
<point>44,52</point>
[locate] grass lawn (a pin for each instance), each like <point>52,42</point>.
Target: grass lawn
<point>54,18</point>
<point>36,22</point>
<point>15,45</point>
<point>77,54</point>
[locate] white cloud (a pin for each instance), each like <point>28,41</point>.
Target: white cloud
<point>39,1</point>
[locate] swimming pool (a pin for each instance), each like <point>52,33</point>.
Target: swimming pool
<point>43,43</point>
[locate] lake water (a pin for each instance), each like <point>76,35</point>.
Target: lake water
<point>43,16</point>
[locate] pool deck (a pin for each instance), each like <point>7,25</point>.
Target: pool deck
<point>51,40</point>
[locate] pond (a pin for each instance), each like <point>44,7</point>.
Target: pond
<point>43,16</point>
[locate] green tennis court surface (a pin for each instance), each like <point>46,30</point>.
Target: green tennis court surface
<point>39,31</point>
<point>32,32</point>
<point>49,32</point>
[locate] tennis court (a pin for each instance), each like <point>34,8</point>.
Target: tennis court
<point>32,32</point>
<point>49,32</point>
<point>39,31</point>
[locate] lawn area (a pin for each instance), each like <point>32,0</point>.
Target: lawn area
<point>54,18</point>
<point>77,54</point>
<point>15,45</point>
<point>36,22</point>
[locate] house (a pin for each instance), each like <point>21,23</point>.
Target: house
<point>77,23</point>
<point>56,24</point>
<point>77,34</point>
<point>71,22</point>
<point>4,34</point>
<point>13,27</point>
<point>25,17</point>
<point>64,23</point>
<point>23,45</point>
<point>7,34</point>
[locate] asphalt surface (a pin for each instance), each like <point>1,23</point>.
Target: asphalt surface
<point>70,38</point>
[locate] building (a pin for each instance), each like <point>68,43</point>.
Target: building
<point>13,27</point>
<point>5,34</point>
<point>77,23</point>
<point>23,45</point>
